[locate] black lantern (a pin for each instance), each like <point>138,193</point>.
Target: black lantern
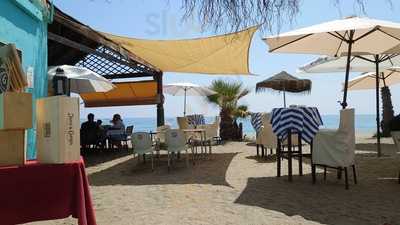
<point>61,83</point>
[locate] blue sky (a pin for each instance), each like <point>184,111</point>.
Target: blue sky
<point>161,19</point>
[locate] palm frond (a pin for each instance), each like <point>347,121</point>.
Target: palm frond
<point>228,94</point>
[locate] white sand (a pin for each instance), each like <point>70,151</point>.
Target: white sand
<point>236,188</point>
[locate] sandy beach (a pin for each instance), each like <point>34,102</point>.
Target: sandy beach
<point>235,187</point>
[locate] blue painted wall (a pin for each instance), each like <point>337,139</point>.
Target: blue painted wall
<point>24,24</point>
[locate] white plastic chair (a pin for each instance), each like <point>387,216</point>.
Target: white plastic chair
<point>211,133</point>
<point>183,124</point>
<point>142,144</point>
<point>176,142</point>
<point>212,130</point>
<point>160,138</point>
<point>336,148</point>
<point>160,135</point>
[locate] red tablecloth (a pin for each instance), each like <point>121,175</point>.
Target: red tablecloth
<point>35,192</point>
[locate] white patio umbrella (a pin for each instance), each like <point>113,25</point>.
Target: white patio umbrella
<point>82,80</point>
<point>187,89</point>
<point>359,64</point>
<point>366,81</point>
<point>329,64</point>
<point>346,37</point>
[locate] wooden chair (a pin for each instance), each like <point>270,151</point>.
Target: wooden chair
<point>265,137</point>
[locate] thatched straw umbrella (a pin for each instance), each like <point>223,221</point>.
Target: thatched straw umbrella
<point>286,83</point>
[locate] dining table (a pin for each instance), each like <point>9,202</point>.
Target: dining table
<point>36,192</point>
<point>300,124</point>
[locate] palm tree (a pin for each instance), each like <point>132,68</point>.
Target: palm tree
<point>387,108</point>
<point>227,97</point>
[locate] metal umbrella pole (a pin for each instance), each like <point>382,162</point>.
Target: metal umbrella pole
<point>284,98</point>
<point>184,104</point>
<point>378,130</point>
<point>346,81</point>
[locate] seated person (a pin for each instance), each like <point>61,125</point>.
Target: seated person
<point>117,131</point>
<point>89,131</point>
<point>89,124</point>
<point>101,132</point>
<point>117,123</point>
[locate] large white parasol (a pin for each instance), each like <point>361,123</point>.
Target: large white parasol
<point>82,80</point>
<point>346,37</point>
<point>187,89</point>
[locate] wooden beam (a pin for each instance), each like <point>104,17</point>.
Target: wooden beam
<point>126,75</point>
<point>74,25</point>
<point>83,48</point>
<point>108,103</point>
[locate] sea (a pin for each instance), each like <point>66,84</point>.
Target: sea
<point>363,123</point>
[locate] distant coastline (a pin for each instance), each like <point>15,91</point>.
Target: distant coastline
<point>365,123</point>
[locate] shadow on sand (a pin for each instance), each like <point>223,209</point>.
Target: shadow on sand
<point>95,157</point>
<point>374,200</point>
<point>372,147</point>
<point>265,159</point>
<point>130,172</point>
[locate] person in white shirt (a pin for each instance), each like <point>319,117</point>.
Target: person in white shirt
<point>117,123</point>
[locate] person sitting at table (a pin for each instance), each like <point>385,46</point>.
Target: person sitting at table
<point>89,124</point>
<point>89,132</point>
<point>117,123</point>
<point>101,133</point>
<point>116,132</point>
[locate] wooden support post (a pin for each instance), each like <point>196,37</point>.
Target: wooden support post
<point>346,178</point>
<point>313,172</point>
<point>300,154</point>
<point>262,151</point>
<point>278,158</point>
<point>354,174</point>
<point>290,168</point>
<point>258,150</point>
<point>160,106</point>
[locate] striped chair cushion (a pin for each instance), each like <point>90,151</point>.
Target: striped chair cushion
<point>305,120</point>
<point>196,119</point>
<point>256,121</point>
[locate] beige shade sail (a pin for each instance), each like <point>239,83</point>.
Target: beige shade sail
<point>368,80</point>
<point>223,54</point>
<point>125,93</point>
